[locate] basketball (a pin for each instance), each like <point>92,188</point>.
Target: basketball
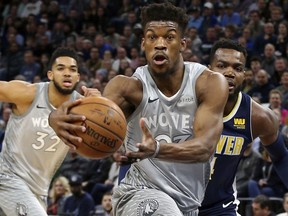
<point>105,127</point>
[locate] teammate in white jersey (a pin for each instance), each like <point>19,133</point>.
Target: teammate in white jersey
<point>179,106</point>
<point>31,151</point>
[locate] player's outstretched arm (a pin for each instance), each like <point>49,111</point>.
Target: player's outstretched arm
<point>266,125</point>
<point>212,94</point>
<point>21,94</point>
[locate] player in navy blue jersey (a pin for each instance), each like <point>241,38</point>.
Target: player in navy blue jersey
<point>244,120</point>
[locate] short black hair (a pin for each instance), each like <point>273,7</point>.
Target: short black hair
<point>227,44</point>
<point>164,12</point>
<point>62,51</point>
<point>263,201</point>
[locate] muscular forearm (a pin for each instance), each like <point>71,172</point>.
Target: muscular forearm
<point>186,152</point>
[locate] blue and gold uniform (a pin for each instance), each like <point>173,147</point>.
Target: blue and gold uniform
<point>220,196</point>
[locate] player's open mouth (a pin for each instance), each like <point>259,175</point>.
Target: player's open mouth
<point>159,59</point>
<point>231,84</point>
<point>67,83</point>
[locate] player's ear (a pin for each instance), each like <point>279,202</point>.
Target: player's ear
<point>78,77</point>
<point>142,45</point>
<point>183,44</point>
<point>50,75</point>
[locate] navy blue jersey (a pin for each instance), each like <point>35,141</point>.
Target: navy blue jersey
<point>220,196</point>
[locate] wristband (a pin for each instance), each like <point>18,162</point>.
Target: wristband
<point>156,149</point>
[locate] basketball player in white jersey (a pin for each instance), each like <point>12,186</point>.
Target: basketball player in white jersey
<point>179,106</point>
<point>32,152</point>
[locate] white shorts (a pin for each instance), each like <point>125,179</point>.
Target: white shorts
<point>16,198</point>
<point>129,201</point>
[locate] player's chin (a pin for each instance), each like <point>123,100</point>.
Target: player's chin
<point>67,91</point>
<point>160,71</point>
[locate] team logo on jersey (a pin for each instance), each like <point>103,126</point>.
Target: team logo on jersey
<point>239,123</point>
<point>21,209</point>
<point>147,207</point>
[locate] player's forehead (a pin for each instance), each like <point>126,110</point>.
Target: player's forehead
<point>229,55</point>
<point>65,60</point>
<point>157,25</point>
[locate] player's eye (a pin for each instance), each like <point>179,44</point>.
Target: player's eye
<point>240,69</point>
<point>170,37</point>
<point>151,37</point>
<point>221,66</point>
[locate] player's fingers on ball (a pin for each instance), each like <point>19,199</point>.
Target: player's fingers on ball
<point>74,128</point>
<point>68,143</point>
<point>69,104</point>
<point>91,92</point>
<point>73,140</point>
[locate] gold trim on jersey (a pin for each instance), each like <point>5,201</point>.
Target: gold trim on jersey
<point>234,110</point>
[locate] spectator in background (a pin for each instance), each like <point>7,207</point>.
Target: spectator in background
<point>13,61</point>
<point>111,36</point>
<point>275,102</point>
<point>134,56</point>
<point>100,189</point>
<point>129,71</point>
<point>276,18</point>
<point>230,32</point>
<point>94,62</point>
<point>130,36</point>
<point>262,87</point>
<point>96,172</point>
<point>58,193</point>
<point>280,66</point>
<point>268,37</point>
<point>30,68</point>
<point>264,179</point>
<point>283,88</point>
<point>249,81</point>
<point>80,202</point>
<point>44,64</point>
<point>255,64</point>
<point>285,205</point>
<point>268,59</point>
<point>231,17</point>
<point>209,19</point>
<point>261,206</point>
<point>255,24</point>
<point>102,46</point>
<point>42,46</point>
<point>195,17</point>
<point>249,42</point>
<point>104,209</point>
<point>210,38</point>
<point>32,7</point>
<point>121,54</point>
<point>245,170</point>
<point>72,164</point>
<point>282,38</point>
<point>196,41</point>
<point>138,32</point>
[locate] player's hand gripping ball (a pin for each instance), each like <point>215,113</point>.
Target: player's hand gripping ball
<point>105,127</point>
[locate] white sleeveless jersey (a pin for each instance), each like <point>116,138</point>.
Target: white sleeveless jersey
<point>169,120</point>
<point>31,149</point>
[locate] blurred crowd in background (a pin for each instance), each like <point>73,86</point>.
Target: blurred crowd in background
<point>107,37</point>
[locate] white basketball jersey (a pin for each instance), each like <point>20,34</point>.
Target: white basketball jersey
<point>169,119</point>
<point>31,149</point>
